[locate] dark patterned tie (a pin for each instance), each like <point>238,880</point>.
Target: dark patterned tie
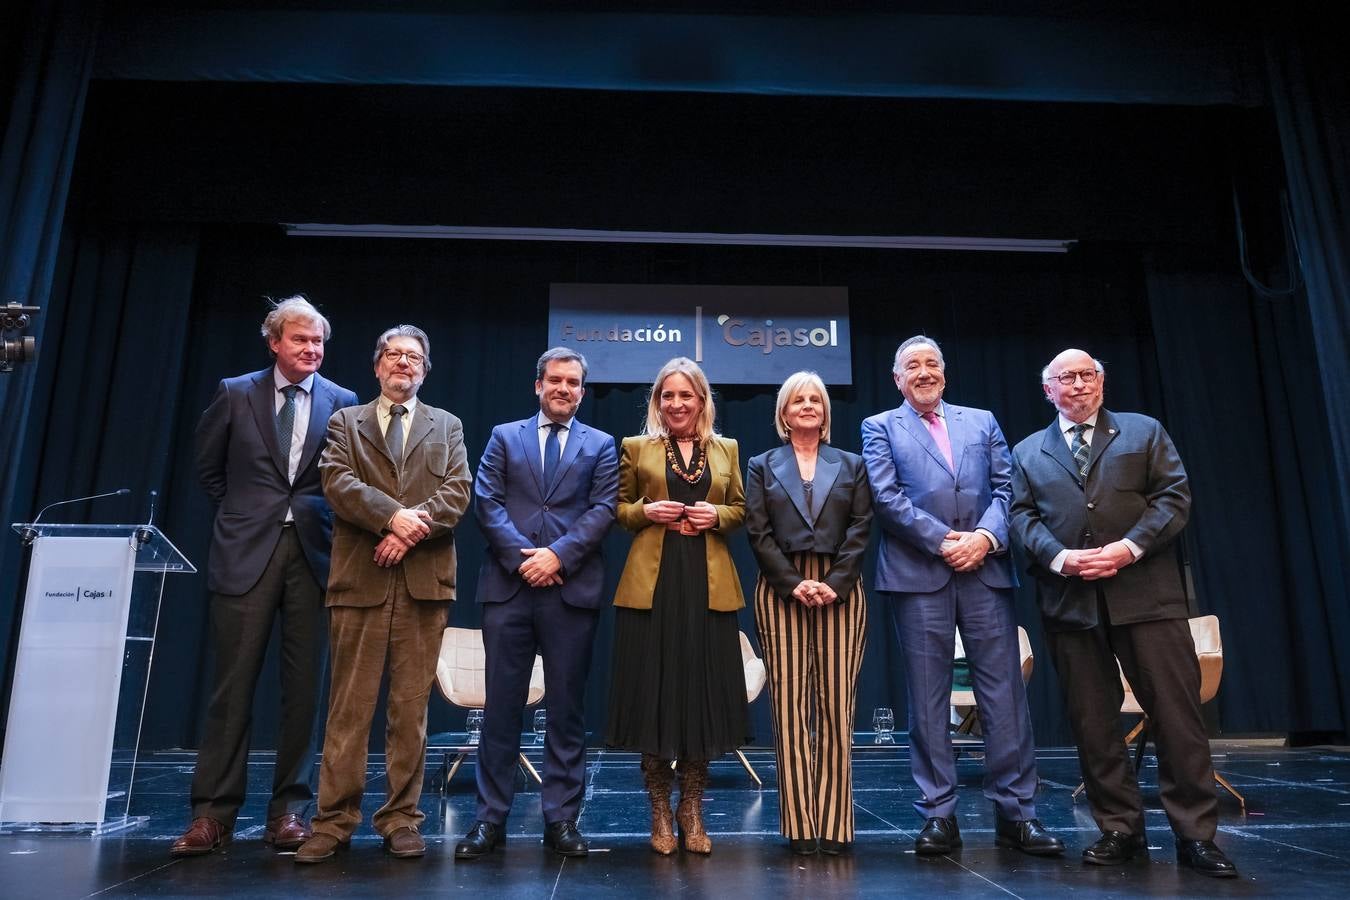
<point>286,422</point>
<point>552,452</point>
<point>395,436</point>
<point>1080,448</point>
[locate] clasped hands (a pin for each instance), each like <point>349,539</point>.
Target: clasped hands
<point>406,528</point>
<point>964,551</point>
<point>1097,562</point>
<point>687,519</point>
<point>814,593</point>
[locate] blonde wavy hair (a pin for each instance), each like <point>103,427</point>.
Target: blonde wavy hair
<point>796,383</point>
<point>655,426</point>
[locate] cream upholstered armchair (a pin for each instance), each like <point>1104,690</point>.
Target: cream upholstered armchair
<point>461,680</point>
<point>963,698</point>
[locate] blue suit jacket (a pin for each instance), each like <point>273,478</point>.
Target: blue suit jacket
<point>917,498</point>
<point>240,466</point>
<point>516,509</point>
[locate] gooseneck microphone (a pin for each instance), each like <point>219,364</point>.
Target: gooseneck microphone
<point>30,532</point>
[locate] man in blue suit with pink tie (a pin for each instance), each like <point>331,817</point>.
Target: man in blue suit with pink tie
<point>546,493</point>
<point>942,482</point>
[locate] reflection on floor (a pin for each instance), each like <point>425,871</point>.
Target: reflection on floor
<point>1293,841</point>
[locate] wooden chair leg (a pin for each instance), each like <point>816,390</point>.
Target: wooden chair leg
<point>1223,782</point>
<point>749,768</point>
<point>529,769</point>
<point>454,767</point>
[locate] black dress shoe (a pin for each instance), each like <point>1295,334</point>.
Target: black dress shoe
<point>480,840</point>
<point>833,848</point>
<point>564,839</point>
<point>1205,858</point>
<point>1027,835</point>
<point>802,846</point>
<point>940,835</point>
<point>1114,848</point>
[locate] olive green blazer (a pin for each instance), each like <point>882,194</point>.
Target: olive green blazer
<point>642,480</point>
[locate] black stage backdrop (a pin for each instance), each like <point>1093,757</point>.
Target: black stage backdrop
<point>1000,317</point>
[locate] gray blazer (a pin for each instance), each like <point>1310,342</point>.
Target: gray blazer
<point>365,489</point>
<point>1135,488</point>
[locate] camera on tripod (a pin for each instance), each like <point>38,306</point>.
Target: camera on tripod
<point>15,346</point>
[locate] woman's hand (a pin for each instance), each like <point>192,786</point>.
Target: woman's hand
<point>702,515</point>
<point>663,512</point>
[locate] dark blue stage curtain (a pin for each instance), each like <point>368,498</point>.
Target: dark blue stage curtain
<point>1310,91</point>
<point>36,160</point>
<point>1246,409</point>
<point>1108,59</point>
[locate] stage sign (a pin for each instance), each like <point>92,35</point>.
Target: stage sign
<point>738,334</point>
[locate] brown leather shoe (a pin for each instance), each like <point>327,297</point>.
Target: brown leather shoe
<point>203,835</point>
<point>287,832</point>
<point>320,848</point>
<point>404,843</point>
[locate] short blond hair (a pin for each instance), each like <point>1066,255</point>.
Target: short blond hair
<point>795,384</point>
<point>704,428</point>
<point>292,309</point>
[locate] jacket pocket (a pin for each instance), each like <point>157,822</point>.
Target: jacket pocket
<point>438,458</point>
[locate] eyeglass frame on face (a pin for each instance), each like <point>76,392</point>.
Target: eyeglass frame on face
<point>1089,376</point>
<point>392,356</point>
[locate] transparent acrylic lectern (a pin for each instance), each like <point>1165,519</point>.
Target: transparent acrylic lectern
<point>85,646</point>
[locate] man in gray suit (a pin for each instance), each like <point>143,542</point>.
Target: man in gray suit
<point>258,446</point>
<point>1099,498</point>
<point>397,475</point>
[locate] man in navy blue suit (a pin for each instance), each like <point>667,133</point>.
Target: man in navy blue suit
<point>942,481</point>
<point>546,493</point>
<point>257,450</point>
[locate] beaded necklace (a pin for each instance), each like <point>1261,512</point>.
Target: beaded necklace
<point>701,462</point>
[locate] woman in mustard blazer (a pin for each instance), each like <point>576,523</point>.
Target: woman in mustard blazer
<point>678,684</point>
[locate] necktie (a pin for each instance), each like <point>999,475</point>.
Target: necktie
<point>552,452</point>
<point>286,422</point>
<point>940,437</point>
<point>1080,448</point>
<point>395,436</point>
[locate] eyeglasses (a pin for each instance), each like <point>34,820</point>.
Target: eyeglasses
<point>394,356</point>
<point>1067,379</point>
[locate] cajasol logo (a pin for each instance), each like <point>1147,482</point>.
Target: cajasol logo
<point>765,336</point>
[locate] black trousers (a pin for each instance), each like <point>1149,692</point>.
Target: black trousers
<point>1159,660</point>
<point>241,627</point>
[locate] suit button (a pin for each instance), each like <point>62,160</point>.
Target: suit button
<point>1092,504</point>
<point>958,488</point>
<point>545,509</point>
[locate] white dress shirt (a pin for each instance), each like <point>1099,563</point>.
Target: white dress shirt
<point>1066,427</point>
<point>300,429</point>
<point>541,424</point>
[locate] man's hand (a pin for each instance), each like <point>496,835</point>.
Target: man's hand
<point>702,515</point>
<point>410,524</point>
<point>964,551</point>
<point>1103,562</point>
<point>663,512</point>
<point>541,567</point>
<point>391,550</point>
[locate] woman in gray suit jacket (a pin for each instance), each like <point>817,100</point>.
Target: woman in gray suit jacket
<point>808,512</point>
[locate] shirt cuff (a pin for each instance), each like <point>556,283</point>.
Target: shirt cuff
<point>1134,548</point>
<point>993,541</point>
<point>1057,564</point>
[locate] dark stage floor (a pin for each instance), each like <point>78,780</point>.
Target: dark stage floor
<point>1294,840</point>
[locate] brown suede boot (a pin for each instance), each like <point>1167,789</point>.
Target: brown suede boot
<point>658,777</point>
<point>693,779</point>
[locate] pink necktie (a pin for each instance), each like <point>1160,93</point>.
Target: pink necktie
<point>940,437</point>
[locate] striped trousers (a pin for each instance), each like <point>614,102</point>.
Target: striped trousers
<point>813,655</point>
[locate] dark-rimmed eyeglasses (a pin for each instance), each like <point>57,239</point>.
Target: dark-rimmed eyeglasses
<point>1067,379</point>
<point>393,356</point>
